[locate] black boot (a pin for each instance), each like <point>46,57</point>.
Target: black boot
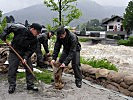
<point>78,83</point>
<point>11,89</point>
<point>32,88</point>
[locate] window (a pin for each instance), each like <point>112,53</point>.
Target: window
<point>118,20</point>
<point>121,27</point>
<point>111,27</point>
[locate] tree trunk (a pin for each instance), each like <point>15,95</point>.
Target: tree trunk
<point>60,12</point>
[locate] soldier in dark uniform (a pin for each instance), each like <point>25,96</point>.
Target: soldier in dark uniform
<point>71,52</point>
<point>25,43</point>
<point>43,39</point>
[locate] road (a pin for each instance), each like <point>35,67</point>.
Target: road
<point>69,92</point>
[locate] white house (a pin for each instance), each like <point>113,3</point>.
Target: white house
<point>114,24</point>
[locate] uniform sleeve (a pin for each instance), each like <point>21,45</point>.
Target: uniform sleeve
<point>45,45</point>
<point>71,52</point>
<point>44,40</point>
<point>31,49</point>
<point>21,38</point>
<point>56,49</point>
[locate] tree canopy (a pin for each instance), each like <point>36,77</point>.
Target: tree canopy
<point>2,22</point>
<point>128,17</point>
<point>66,9</point>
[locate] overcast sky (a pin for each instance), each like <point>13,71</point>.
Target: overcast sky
<point>10,5</point>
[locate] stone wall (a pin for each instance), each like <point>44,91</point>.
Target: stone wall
<point>4,52</point>
<point>120,82</point>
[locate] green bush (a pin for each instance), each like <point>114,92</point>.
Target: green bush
<point>1,29</point>
<point>1,41</point>
<point>99,63</point>
<point>83,39</point>
<point>128,42</point>
<point>9,38</point>
<point>123,42</point>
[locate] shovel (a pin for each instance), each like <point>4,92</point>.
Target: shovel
<point>39,82</point>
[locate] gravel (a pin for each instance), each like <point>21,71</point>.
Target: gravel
<point>69,92</point>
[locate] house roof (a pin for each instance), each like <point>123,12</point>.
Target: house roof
<point>106,22</point>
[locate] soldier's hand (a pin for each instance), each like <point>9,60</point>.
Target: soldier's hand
<point>24,62</point>
<point>48,54</point>
<point>52,62</point>
<point>63,65</point>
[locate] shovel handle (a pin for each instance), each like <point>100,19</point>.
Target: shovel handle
<point>20,58</point>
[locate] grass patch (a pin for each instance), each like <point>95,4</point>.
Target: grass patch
<point>45,76</point>
<point>123,42</point>
<point>100,63</point>
<point>20,75</point>
<point>83,39</point>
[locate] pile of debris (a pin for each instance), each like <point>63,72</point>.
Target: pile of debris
<point>4,53</point>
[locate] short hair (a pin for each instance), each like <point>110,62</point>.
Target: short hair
<point>60,30</point>
<point>36,26</point>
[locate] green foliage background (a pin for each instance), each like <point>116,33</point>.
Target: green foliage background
<point>128,42</point>
<point>69,12</point>
<point>128,17</point>
<point>3,24</point>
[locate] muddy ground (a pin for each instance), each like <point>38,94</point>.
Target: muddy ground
<point>69,92</point>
